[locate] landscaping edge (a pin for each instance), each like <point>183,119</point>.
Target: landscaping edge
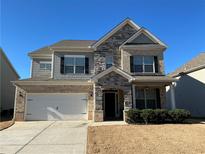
<point>6,124</point>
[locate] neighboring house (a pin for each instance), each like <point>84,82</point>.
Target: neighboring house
<point>95,79</point>
<point>7,89</point>
<point>190,87</point>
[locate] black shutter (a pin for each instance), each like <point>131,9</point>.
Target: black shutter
<point>131,64</point>
<point>86,65</point>
<point>156,64</point>
<point>62,65</point>
<point>158,98</point>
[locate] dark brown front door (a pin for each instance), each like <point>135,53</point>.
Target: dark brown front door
<point>109,105</point>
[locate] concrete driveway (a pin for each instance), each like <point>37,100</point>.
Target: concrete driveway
<point>39,137</point>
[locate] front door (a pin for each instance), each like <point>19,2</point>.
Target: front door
<point>110,101</point>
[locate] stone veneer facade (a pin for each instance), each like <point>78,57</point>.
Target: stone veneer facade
<point>20,104</point>
<point>111,81</point>
<point>111,47</point>
<point>21,96</point>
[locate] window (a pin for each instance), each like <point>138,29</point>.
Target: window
<point>148,64</point>
<point>74,65</point>
<point>151,102</point>
<point>69,64</point>
<point>80,65</point>
<point>109,61</point>
<point>138,64</point>
<point>144,64</point>
<point>146,98</point>
<point>140,98</point>
<point>45,66</point>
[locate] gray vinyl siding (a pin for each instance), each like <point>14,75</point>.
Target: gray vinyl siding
<point>36,72</point>
<point>57,64</point>
<point>190,93</point>
<point>7,89</point>
<point>142,39</point>
<point>158,54</point>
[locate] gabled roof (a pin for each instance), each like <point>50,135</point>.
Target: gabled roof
<point>148,34</point>
<point>68,44</point>
<point>3,56</point>
<point>113,69</point>
<point>193,65</point>
<point>114,30</point>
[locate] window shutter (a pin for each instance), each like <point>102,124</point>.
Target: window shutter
<point>86,65</point>
<point>62,65</point>
<point>158,98</point>
<point>156,64</point>
<point>131,64</point>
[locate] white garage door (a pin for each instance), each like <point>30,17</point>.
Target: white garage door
<point>71,106</point>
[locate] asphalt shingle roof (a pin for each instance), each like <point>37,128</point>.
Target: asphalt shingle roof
<point>68,44</point>
<point>195,63</point>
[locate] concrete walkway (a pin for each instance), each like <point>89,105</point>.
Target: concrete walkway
<point>40,137</point>
<point>105,123</point>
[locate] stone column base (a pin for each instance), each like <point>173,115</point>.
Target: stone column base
<point>19,117</point>
<point>124,114</point>
<point>98,116</point>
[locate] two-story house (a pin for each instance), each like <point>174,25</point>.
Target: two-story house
<point>95,79</point>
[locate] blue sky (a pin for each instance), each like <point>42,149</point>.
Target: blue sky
<point>27,25</point>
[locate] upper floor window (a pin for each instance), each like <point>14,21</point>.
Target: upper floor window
<point>45,65</point>
<point>74,64</point>
<point>143,64</point>
<point>109,61</point>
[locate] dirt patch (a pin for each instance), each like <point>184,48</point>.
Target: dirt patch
<point>150,139</point>
<point>6,124</point>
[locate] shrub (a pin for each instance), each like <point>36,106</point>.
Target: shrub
<point>161,115</point>
<point>179,115</point>
<point>156,116</point>
<point>133,116</point>
<point>147,115</point>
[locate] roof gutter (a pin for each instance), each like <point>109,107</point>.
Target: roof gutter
<point>21,83</point>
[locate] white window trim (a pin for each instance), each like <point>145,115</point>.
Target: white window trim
<point>143,63</point>
<point>74,57</point>
<point>52,66</point>
<point>31,69</point>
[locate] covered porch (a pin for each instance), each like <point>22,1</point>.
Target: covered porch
<point>149,92</point>
<point>115,92</point>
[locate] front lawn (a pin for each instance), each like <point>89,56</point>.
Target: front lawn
<point>143,139</point>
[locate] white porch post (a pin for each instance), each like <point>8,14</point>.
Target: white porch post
<point>172,93</point>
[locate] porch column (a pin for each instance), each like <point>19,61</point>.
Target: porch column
<point>20,101</point>
<point>98,99</point>
<point>172,93</point>
<point>127,101</point>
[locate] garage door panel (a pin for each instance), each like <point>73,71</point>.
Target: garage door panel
<point>56,107</point>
